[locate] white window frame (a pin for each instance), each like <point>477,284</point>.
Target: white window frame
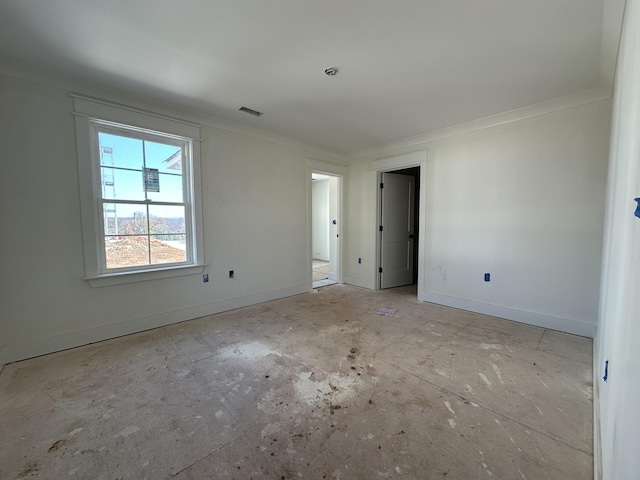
<point>93,116</point>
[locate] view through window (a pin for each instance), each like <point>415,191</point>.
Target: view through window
<point>144,199</point>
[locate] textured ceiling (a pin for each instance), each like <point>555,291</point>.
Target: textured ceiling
<point>406,67</point>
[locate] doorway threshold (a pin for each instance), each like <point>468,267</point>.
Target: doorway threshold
<point>323,283</point>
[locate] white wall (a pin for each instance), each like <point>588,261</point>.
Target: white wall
<point>544,174</point>
<point>255,223</point>
<point>619,327</point>
<point>523,201</point>
<point>360,226</point>
<point>320,219</point>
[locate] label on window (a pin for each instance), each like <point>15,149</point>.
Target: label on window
<point>151,179</point>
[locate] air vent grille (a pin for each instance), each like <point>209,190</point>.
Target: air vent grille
<point>251,111</point>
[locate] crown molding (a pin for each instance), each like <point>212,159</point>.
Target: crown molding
<point>76,86</point>
<point>612,17</point>
<point>422,141</point>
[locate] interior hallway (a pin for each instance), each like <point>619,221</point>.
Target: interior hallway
<point>313,386</point>
<point>320,270</point>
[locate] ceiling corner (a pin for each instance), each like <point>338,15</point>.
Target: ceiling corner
<point>612,18</point>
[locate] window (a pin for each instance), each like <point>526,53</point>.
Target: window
<point>140,194</point>
<point>143,202</point>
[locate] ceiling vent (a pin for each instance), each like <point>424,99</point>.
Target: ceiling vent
<point>250,111</point>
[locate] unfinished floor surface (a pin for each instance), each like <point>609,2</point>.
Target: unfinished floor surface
<point>332,384</point>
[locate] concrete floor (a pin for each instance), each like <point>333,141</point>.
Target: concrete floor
<point>314,386</point>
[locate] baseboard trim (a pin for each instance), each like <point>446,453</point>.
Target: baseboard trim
<point>567,325</point>
<point>43,346</point>
<point>358,282</point>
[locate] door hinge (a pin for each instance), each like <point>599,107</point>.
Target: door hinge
<point>380,227</point>
<point>380,270</point>
<point>381,185</point>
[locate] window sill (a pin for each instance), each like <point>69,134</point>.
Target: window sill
<point>143,275</point>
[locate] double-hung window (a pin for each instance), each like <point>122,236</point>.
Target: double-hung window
<point>140,190</point>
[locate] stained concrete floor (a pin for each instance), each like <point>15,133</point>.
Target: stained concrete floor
<point>314,386</point>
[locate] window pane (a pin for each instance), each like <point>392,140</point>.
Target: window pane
<point>110,217</point>
<point>122,184</point>
<point>166,220</point>
<point>124,219</point>
<point>168,248</point>
<point>126,251</point>
<point>118,151</point>
<point>166,158</point>
<point>170,189</point>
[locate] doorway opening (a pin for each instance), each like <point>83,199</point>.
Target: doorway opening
<point>398,231</point>
<point>325,229</point>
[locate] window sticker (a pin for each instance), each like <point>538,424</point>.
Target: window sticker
<point>151,179</point>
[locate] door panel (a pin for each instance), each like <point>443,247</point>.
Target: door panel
<point>397,235</point>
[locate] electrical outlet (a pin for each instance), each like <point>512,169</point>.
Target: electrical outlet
<point>205,277</point>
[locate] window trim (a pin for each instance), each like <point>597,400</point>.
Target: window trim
<point>91,115</point>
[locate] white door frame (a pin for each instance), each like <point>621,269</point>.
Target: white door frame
<point>332,170</point>
<point>400,162</point>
